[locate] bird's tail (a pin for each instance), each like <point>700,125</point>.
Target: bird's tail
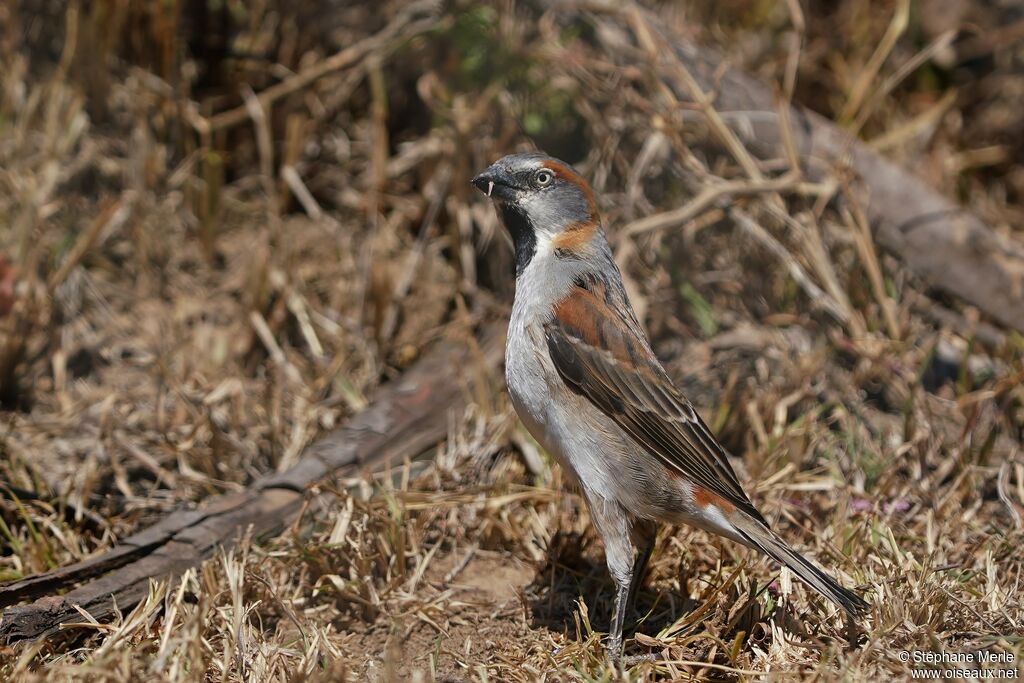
<point>764,539</point>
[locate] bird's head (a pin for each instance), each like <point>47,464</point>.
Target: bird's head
<point>542,202</point>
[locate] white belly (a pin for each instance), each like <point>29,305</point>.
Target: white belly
<point>527,373</point>
<point>542,399</point>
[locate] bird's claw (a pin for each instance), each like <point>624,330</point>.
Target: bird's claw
<point>633,660</point>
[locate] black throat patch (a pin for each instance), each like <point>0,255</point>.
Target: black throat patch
<point>524,238</point>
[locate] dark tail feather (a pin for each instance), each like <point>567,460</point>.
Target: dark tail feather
<point>762,538</point>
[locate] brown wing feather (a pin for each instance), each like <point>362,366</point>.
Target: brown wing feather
<point>602,355</point>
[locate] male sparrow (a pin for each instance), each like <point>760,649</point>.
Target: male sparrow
<point>585,382</point>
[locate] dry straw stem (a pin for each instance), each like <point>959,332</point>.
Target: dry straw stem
<point>411,268</point>
<point>925,55</point>
<point>868,75</point>
<point>719,194</point>
<point>410,22</point>
<point>655,52</point>
<point>259,324</point>
<point>866,250</point>
<point>112,215</point>
<point>919,126</point>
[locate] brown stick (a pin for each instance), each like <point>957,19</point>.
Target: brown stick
<point>944,244</point>
<point>407,24</point>
<point>407,417</point>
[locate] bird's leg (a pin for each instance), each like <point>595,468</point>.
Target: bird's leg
<point>614,525</point>
<point>618,618</point>
<point>644,533</point>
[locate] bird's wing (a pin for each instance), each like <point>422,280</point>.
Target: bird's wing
<point>600,352</point>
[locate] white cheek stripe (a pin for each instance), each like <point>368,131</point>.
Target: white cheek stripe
<point>543,243</point>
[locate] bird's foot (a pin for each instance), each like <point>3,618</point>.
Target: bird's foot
<point>614,651</point>
<point>616,657</point>
<point>633,660</point>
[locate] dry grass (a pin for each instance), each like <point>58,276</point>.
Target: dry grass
<point>187,300</point>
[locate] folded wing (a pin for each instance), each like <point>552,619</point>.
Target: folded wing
<point>600,352</point>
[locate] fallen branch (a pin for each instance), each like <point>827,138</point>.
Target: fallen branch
<point>406,418</point>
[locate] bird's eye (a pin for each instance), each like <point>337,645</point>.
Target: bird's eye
<point>544,177</point>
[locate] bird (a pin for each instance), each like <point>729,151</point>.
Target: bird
<point>586,384</point>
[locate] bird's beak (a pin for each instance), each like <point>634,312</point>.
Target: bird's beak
<point>496,183</point>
